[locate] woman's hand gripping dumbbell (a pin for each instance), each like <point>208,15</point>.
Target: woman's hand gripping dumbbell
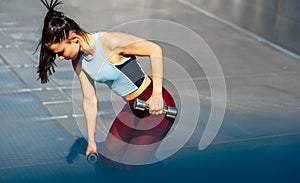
<point>170,112</point>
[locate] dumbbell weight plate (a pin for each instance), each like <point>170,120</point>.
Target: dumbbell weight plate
<point>140,105</point>
<point>92,158</point>
<point>171,112</point>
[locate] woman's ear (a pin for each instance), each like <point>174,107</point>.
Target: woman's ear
<point>73,38</point>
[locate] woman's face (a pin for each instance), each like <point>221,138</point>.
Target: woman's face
<point>66,50</point>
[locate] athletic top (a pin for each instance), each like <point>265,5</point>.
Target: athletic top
<point>123,78</point>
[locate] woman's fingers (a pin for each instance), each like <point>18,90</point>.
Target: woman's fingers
<point>91,148</point>
<point>155,105</point>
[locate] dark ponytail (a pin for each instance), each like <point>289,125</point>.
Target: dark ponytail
<point>56,29</point>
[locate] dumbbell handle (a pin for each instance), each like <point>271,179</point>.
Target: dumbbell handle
<point>170,112</point>
<point>147,107</point>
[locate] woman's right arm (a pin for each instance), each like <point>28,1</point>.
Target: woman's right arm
<point>89,104</point>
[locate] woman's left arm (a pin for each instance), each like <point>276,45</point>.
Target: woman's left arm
<point>125,44</point>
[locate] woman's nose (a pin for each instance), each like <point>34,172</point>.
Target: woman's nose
<point>61,57</point>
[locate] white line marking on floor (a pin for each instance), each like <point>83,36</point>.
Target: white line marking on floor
<point>50,118</point>
<point>28,90</point>
<point>24,90</point>
<point>78,115</point>
<point>56,102</point>
<point>59,88</point>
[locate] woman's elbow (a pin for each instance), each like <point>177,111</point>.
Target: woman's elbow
<point>91,101</point>
<point>156,50</point>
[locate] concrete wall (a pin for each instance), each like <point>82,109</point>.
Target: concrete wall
<point>275,20</point>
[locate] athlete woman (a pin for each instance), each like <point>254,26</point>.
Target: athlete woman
<point>110,58</point>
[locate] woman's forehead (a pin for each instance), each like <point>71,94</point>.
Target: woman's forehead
<point>55,47</point>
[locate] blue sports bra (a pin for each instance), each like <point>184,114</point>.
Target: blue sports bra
<point>123,78</point>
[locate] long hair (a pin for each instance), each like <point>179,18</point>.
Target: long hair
<point>56,29</point>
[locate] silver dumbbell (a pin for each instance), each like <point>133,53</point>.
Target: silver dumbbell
<point>92,158</point>
<point>170,112</point>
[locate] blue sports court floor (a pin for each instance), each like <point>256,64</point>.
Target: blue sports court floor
<point>41,141</point>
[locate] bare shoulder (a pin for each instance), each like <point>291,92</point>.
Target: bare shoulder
<point>119,35</point>
<point>114,40</point>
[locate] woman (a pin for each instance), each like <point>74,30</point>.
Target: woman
<point>109,57</point>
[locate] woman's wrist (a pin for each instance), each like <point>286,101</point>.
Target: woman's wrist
<point>156,95</point>
<point>157,88</point>
<point>91,141</point>
<point>157,92</point>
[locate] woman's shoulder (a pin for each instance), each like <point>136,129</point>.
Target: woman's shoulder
<point>115,40</point>
<point>108,36</point>
<point>111,40</point>
<point>114,34</point>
